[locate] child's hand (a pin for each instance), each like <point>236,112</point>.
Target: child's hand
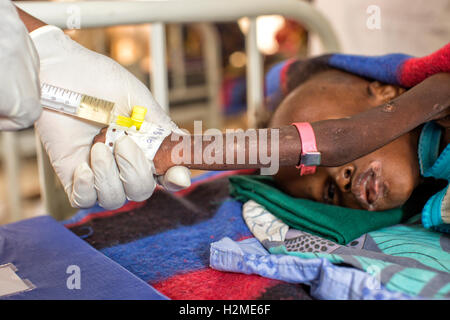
<point>169,175</point>
<point>162,161</point>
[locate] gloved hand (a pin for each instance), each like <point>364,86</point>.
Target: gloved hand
<point>110,179</point>
<point>19,68</point>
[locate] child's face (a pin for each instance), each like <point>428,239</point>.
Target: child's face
<point>381,180</point>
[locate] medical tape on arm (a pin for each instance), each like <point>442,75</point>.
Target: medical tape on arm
<point>148,138</point>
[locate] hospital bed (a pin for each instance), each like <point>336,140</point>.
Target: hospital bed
<point>158,14</point>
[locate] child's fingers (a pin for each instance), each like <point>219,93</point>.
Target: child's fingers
<point>101,137</point>
<point>136,172</point>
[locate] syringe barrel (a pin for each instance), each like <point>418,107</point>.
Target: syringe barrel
<point>76,104</point>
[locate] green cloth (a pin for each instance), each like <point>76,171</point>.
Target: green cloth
<point>335,223</point>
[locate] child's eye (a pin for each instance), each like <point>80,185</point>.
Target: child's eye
<point>329,192</point>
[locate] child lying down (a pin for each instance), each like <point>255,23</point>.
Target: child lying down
<point>378,142</point>
<point>380,180</point>
<point>176,236</point>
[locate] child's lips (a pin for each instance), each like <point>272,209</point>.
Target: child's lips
<point>369,188</point>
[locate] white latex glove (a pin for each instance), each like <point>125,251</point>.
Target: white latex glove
<point>109,179</point>
<point>19,68</point>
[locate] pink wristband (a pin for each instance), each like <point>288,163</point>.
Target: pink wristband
<point>309,148</point>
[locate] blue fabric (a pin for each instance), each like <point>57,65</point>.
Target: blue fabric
<point>433,164</point>
<point>185,242</point>
<point>384,68</point>
<point>42,250</point>
<point>236,99</point>
<point>273,79</point>
<point>327,281</point>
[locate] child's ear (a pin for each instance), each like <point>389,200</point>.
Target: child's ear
<point>384,92</point>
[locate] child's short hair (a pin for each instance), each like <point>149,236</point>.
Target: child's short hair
<point>299,71</point>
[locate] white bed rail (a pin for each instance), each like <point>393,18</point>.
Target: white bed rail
<point>160,12</point>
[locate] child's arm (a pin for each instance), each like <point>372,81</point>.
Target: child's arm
<point>339,140</point>
<point>344,140</point>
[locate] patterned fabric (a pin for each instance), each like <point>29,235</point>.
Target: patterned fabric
<point>405,259</point>
<point>327,280</point>
<point>165,241</point>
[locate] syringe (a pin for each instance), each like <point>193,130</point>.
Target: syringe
<point>100,111</point>
<point>76,104</point>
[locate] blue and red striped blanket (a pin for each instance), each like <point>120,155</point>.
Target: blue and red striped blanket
<point>166,240</point>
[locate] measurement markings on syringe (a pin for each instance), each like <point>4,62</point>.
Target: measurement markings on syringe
<point>76,104</point>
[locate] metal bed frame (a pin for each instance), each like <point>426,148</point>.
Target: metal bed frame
<point>157,13</point>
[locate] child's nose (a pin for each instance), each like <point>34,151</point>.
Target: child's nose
<point>344,178</point>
